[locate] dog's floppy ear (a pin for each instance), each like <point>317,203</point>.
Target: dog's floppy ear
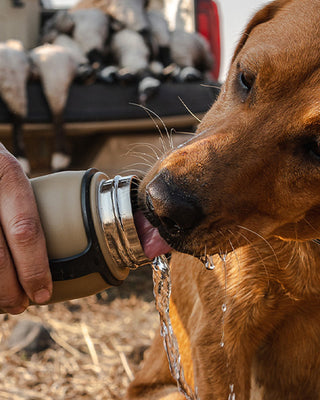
<point>264,15</point>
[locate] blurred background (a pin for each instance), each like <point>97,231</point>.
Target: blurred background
<point>234,15</point>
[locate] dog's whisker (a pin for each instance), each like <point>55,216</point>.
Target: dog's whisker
<point>185,133</point>
<point>203,131</point>
<point>210,86</point>
<point>134,171</point>
<point>188,109</point>
<point>150,146</point>
<point>144,161</point>
<point>141,164</point>
<point>312,227</point>
<point>143,155</point>
<point>170,137</point>
<point>152,114</point>
<point>224,304</point>
<point>290,260</point>
<point>161,137</point>
<point>259,255</point>
<point>234,251</point>
<point>147,160</point>
<point>223,258</point>
<point>172,133</point>
<point>238,264</point>
<point>265,240</point>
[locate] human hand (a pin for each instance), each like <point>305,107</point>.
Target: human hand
<point>24,267</point>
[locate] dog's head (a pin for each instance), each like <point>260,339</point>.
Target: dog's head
<point>253,168</point>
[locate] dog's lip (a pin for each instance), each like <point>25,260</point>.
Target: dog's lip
<point>152,243</point>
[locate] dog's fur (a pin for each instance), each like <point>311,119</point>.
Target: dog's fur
<point>248,184</point>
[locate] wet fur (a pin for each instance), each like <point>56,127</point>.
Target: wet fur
<point>254,169</point>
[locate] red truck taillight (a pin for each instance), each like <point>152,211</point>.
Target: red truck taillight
<point>207,21</point>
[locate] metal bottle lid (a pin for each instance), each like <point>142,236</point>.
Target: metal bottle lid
<point>115,202</point>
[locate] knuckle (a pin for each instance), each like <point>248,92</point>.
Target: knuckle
<point>25,231</point>
<point>9,165</point>
<point>33,276</point>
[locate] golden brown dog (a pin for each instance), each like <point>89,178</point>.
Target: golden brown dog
<point>247,186</point>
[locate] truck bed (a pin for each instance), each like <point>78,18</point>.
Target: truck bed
<point>100,106</point>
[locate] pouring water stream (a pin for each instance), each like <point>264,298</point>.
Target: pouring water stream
<point>162,291</point>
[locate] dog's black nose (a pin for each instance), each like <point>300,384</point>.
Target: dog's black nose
<point>173,204</point>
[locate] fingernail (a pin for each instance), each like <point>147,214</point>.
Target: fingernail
<point>42,296</point>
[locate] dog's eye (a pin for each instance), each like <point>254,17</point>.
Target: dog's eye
<point>246,80</point>
<point>314,150</point>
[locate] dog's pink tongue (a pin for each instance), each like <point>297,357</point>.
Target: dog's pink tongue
<point>152,243</point>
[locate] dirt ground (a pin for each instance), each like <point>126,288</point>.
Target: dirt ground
<point>98,343</point>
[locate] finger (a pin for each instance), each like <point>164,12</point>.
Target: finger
<point>12,298</point>
<point>22,229</point>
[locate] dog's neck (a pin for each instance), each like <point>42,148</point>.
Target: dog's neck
<point>290,267</point>
<point>294,265</point>
<point>270,289</point>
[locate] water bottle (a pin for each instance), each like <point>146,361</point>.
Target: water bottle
<point>90,233</point>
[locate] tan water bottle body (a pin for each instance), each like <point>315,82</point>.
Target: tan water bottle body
<point>88,223</point>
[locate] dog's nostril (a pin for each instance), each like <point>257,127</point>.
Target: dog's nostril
<point>171,225</point>
<point>176,208</point>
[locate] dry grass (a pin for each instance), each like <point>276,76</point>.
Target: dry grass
<point>98,346</point>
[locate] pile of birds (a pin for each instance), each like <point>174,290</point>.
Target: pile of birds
<point>104,40</point>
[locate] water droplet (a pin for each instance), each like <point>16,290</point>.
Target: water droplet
<point>224,307</point>
<point>209,263</point>
<point>232,395</point>
<point>221,344</point>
